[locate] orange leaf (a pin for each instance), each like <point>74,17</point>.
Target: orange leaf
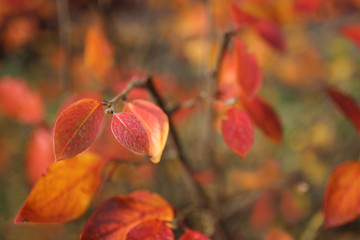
<point>130,132</point>
<point>228,86</point>
<point>39,154</point>
<point>193,235</point>
<point>249,74</point>
<point>19,102</point>
<point>346,105</point>
<point>64,193</point>
<point>98,52</point>
<point>77,127</point>
<point>114,218</point>
<point>352,32</point>
<point>263,212</point>
<point>278,234</point>
<point>238,131</point>
<point>342,196</point>
<point>155,122</point>
<point>264,117</point>
<point>152,230</point>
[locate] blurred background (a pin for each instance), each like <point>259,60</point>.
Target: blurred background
<point>55,52</point>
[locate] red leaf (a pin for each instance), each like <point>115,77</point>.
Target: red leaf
<point>151,230</point>
<point>130,132</point>
<point>278,234</point>
<point>307,6</point>
<point>240,17</point>
<point>19,102</point>
<point>352,32</point>
<point>342,197</point>
<point>345,104</point>
<point>263,212</point>
<point>193,235</point>
<point>117,216</point>
<point>249,74</point>
<point>155,122</point>
<point>77,127</point>
<point>39,154</point>
<point>291,212</point>
<point>264,117</point>
<point>238,131</point>
<point>64,193</point>
<point>271,33</point>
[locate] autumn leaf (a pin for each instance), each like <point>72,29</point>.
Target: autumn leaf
<point>263,212</point>
<point>64,193</point>
<point>39,154</point>
<point>193,235</point>
<point>278,234</point>
<point>352,32</point>
<point>151,229</point>
<point>238,131</point>
<point>346,105</point>
<point>290,210</point>
<point>17,101</point>
<point>155,122</point>
<point>342,196</point>
<point>271,33</point>
<point>98,52</point>
<point>264,117</point>
<point>77,127</point>
<point>240,17</point>
<point>249,74</point>
<point>116,217</point>
<point>130,132</point>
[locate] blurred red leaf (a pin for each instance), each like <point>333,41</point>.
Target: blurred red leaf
<point>346,105</point>
<point>98,52</point>
<point>240,17</point>
<point>193,235</point>
<point>342,196</point>
<point>130,132</point>
<point>278,234</point>
<point>238,131</point>
<point>19,102</point>
<point>271,33</point>
<point>352,32</point>
<point>77,127</point>
<point>307,6</point>
<point>264,117</point>
<point>39,154</point>
<point>291,212</point>
<point>228,86</point>
<point>155,122</point>
<point>204,177</point>
<point>249,74</point>
<point>151,230</point>
<point>114,218</point>
<point>263,212</point>
<point>64,193</point>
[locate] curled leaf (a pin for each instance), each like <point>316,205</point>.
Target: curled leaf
<point>238,131</point>
<point>64,193</point>
<point>115,218</point>
<point>155,122</point>
<point>342,196</point>
<point>130,132</point>
<point>77,127</point>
